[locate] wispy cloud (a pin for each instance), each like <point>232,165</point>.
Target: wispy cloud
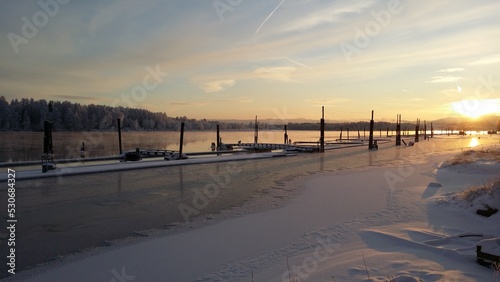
<point>494,59</point>
<point>452,70</point>
<point>275,73</point>
<point>326,101</point>
<point>187,104</point>
<point>217,85</point>
<point>325,15</point>
<point>444,79</point>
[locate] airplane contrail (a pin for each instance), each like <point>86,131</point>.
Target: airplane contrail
<point>270,15</point>
<point>269,50</point>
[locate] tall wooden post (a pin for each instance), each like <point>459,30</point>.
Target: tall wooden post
<point>370,140</point>
<point>341,129</point>
<point>217,144</point>
<point>46,137</point>
<point>417,128</point>
<point>425,130</point>
<point>322,129</point>
<point>119,125</point>
<point>256,134</point>
<point>398,130</point>
<point>181,142</point>
<point>432,131</point>
<point>286,136</point>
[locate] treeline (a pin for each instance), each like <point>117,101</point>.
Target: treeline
<point>29,115</point>
<point>352,126</point>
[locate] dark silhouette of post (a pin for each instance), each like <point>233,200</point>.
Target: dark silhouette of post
<point>285,137</point>
<point>341,129</point>
<point>417,128</point>
<point>432,131</point>
<point>322,130</point>
<point>47,137</point>
<point>256,134</point>
<point>370,140</point>
<point>425,130</point>
<point>398,130</point>
<point>359,136</point>
<point>347,129</point>
<point>217,144</point>
<point>181,142</point>
<point>118,124</point>
<point>387,133</point>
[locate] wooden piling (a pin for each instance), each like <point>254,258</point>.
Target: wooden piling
<point>118,124</point>
<point>432,131</point>
<point>417,132</point>
<point>341,130</point>
<point>285,137</point>
<point>181,142</point>
<point>398,130</point>
<point>256,134</point>
<point>425,130</point>
<point>322,130</point>
<point>370,140</point>
<point>217,144</point>
<point>46,137</point>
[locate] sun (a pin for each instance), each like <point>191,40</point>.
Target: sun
<point>475,108</point>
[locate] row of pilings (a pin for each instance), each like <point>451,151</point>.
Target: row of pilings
<point>372,143</point>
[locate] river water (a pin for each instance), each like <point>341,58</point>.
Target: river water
<point>28,146</point>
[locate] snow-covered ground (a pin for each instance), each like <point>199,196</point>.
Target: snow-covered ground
<point>405,223</point>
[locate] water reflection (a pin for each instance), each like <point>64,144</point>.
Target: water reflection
<point>473,142</point>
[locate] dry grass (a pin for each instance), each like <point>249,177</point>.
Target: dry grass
<point>470,156</point>
<point>471,193</point>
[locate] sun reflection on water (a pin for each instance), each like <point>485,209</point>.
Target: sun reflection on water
<point>473,142</point>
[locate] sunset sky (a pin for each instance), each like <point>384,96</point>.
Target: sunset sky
<point>234,59</point>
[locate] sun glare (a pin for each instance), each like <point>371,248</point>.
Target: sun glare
<point>473,142</point>
<point>477,108</point>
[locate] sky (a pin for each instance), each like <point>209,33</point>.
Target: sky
<point>278,59</point>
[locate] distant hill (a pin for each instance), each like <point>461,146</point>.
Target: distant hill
<point>490,122</point>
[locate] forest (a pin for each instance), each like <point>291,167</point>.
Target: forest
<point>29,115</point>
